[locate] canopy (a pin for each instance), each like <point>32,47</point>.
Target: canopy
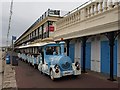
<point>37,44</point>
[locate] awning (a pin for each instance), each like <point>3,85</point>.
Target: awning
<point>41,44</point>
<point>37,44</point>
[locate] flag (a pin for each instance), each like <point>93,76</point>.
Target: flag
<point>13,37</point>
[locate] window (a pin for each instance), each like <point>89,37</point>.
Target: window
<point>40,32</point>
<point>52,50</point>
<point>36,31</point>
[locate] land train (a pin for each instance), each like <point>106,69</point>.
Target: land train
<point>51,60</point>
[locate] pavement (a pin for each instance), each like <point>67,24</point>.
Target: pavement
<point>8,77</point>
<point>25,76</point>
<point>1,69</point>
<point>28,77</point>
<point>9,80</point>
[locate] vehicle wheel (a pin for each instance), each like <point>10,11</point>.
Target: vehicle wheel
<point>35,66</point>
<point>30,64</point>
<point>41,71</point>
<point>51,75</point>
<point>75,76</point>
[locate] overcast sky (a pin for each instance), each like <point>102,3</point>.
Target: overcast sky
<point>25,13</point>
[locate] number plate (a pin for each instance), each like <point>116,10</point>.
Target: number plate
<point>67,73</point>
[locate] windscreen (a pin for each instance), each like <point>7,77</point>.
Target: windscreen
<point>53,50</point>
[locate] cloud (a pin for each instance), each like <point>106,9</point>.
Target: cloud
<point>45,0</point>
<point>26,13</point>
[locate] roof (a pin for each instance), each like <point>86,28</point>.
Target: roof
<point>37,44</point>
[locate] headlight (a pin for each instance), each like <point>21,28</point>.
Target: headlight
<point>77,64</point>
<point>56,68</point>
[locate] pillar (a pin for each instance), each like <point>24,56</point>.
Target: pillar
<point>111,37</point>
<point>84,39</point>
<point>68,41</point>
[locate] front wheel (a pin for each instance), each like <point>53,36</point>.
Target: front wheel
<point>35,66</point>
<point>51,75</point>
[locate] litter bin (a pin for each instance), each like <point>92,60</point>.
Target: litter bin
<point>7,59</point>
<point>14,60</point>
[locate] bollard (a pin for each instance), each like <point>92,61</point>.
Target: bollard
<point>7,59</point>
<point>14,61</point>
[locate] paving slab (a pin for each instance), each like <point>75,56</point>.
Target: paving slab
<point>9,80</point>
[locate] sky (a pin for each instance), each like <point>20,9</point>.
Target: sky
<point>26,12</point>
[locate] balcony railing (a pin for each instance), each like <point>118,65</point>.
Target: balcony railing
<point>86,11</point>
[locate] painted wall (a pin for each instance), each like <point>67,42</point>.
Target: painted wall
<point>95,61</point>
<point>77,51</point>
<point>95,53</point>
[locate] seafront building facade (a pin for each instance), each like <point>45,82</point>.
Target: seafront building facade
<point>92,36</point>
<point>42,28</point>
<point>91,33</point>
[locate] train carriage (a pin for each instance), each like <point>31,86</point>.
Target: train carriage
<point>52,60</point>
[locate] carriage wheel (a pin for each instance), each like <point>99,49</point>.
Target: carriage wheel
<point>51,75</point>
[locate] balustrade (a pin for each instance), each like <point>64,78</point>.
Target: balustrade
<point>94,8</point>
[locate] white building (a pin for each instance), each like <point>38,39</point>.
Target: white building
<point>95,25</point>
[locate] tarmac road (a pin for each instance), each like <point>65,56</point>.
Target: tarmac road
<point>28,77</point>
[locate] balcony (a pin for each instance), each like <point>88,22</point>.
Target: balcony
<point>98,16</point>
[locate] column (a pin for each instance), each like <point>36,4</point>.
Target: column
<point>105,5</point>
<point>96,7</point>
<point>38,32</point>
<point>93,10</point>
<point>42,31</point>
<point>84,39</point>
<point>116,3</point>
<point>86,12</point>
<point>89,11</point>
<point>68,41</point>
<point>110,4</point>
<point>48,32</point>
<point>101,6</point>
<point>110,36</point>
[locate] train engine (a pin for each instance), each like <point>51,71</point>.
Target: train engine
<point>57,64</point>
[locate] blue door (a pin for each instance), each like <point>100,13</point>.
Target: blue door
<point>105,57</point>
<point>72,51</point>
<point>87,56</point>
